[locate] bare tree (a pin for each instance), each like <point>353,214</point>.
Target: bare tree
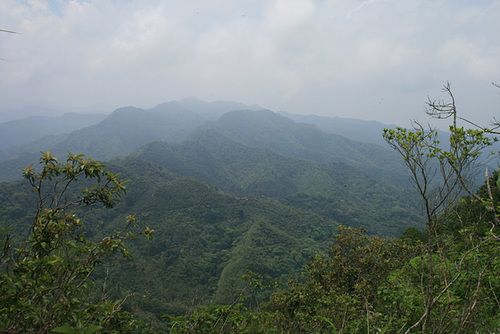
<point>440,109</point>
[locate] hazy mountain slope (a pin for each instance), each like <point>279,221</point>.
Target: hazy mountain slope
<point>271,130</point>
<point>118,134</point>
<point>213,110</point>
<point>11,168</point>
<point>23,131</point>
<point>129,128</point>
<point>339,190</point>
<point>13,159</point>
<point>353,129</point>
<point>20,113</point>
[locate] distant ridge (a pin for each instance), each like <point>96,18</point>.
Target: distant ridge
<point>21,113</point>
<point>23,131</point>
<point>117,135</point>
<point>128,128</point>
<point>264,128</point>
<point>213,110</point>
<point>351,128</point>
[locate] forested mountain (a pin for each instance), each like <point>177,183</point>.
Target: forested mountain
<point>128,128</point>
<point>226,193</point>
<point>270,130</point>
<point>123,131</point>
<point>205,240</point>
<point>334,190</point>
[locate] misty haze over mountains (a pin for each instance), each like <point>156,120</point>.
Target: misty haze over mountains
<point>19,126</point>
<point>243,187</point>
<point>227,188</point>
<point>117,134</point>
<point>357,143</point>
<point>283,207</point>
<point>243,150</point>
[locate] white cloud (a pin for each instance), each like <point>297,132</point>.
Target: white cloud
<point>469,56</point>
<point>284,54</point>
<point>362,6</point>
<point>378,55</point>
<point>289,13</point>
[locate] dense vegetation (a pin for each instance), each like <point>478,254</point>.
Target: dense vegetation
<point>225,205</point>
<point>44,282</point>
<point>442,280</point>
<point>204,241</point>
<point>336,191</point>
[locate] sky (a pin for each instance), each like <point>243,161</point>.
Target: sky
<point>369,59</point>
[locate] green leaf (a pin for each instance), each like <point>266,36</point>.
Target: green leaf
<point>91,329</point>
<point>498,179</point>
<point>70,330</point>
<point>65,329</point>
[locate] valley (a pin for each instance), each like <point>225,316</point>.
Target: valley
<point>227,192</point>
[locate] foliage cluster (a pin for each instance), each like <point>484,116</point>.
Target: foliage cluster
<point>44,279</point>
<point>205,240</point>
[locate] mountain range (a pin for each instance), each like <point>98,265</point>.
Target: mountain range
<point>227,187</point>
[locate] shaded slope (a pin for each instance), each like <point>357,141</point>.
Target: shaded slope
<point>335,190</point>
<point>353,129</point>
<point>271,130</point>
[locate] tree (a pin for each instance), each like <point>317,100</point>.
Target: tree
<point>341,288</point>
<point>45,279</point>
<point>441,175</point>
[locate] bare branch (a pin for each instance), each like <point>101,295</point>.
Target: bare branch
<point>443,110</point>
<point>8,31</point>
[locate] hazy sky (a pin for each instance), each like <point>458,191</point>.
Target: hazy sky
<point>372,59</point>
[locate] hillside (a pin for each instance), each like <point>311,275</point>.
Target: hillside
<point>335,190</point>
<point>204,240</point>
<point>270,130</point>
<point>351,128</point>
<point>226,190</point>
<point>18,132</point>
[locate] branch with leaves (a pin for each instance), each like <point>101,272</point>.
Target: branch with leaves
<point>45,281</point>
<point>441,174</point>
